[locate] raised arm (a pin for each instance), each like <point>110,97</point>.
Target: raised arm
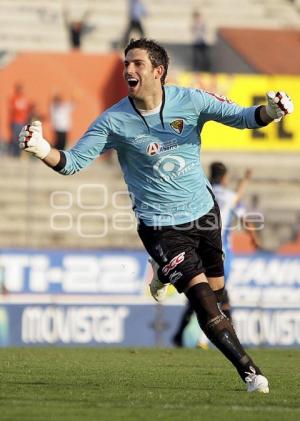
<point>218,108</point>
<point>248,226</point>
<point>93,142</point>
<point>242,185</point>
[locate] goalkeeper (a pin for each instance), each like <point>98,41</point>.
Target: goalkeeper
<point>155,131</point>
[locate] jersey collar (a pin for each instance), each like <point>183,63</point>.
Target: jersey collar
<point>160,111</point>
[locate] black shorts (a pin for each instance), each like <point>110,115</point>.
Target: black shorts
<point>186,250</point>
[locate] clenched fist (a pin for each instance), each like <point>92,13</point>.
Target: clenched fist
<point>32,141</point>
<point>278,105</point>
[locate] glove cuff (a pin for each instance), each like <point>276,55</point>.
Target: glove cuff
<point>272,113</point>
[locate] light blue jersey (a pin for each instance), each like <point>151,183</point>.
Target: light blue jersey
<point>160,153</point>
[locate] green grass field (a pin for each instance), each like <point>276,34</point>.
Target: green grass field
<point>142,384</point>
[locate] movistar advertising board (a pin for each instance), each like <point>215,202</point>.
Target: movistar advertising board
<point>87,324</point>
<point>265,291</point>
<point>102,299</point>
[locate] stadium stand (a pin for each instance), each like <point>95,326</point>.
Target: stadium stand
<point>44,209</point>
<point>32,25</point>
<point>81,214</point>
<point>35,26</point>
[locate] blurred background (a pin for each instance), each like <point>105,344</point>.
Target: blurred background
<point>72,269</point>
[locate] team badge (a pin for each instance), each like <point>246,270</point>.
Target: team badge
<point>177,125</point>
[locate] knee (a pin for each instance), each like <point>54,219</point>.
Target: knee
<point>216,283</point>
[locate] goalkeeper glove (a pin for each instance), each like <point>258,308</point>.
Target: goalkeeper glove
<point>31,140</point>
<point>278,105</point>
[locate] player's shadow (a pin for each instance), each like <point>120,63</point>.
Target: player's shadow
<point>168,387</point>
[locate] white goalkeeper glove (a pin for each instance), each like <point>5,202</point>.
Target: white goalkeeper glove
<point>278,105</point>
<point>31,140</point>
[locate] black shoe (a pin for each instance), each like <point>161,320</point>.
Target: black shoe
<point>177,341</point>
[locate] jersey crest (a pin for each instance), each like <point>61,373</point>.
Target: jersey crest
<point>177,125</point>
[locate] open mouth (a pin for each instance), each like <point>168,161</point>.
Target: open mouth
<point>132,82</point>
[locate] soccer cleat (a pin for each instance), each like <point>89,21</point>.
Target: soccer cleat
<point>157,288</point>
<point>257,383</point>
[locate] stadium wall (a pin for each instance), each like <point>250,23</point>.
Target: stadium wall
<point>93,81</point>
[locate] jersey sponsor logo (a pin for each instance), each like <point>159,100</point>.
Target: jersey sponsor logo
<point>175,276</point>
<point>177,125</point>
<point>155,148</point>
<point>171,167</point>
<point>221,98</point>
<point>173,263</point>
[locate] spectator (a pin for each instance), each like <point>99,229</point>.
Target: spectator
<point>136,11</point>
<point>77,29</point>
<point>201,48</point>
<point>256,214</point>
<point>75,32</point>
<point>19,107</point>
<point>61,120</point>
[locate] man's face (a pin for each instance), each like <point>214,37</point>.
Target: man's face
<point>142,79</point>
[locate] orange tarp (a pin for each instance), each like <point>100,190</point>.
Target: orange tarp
<point>94,81</point>
<point>268,51</point>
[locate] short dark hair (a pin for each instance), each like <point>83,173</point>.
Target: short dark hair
<point>157,54</point>
<point>217,172</point>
